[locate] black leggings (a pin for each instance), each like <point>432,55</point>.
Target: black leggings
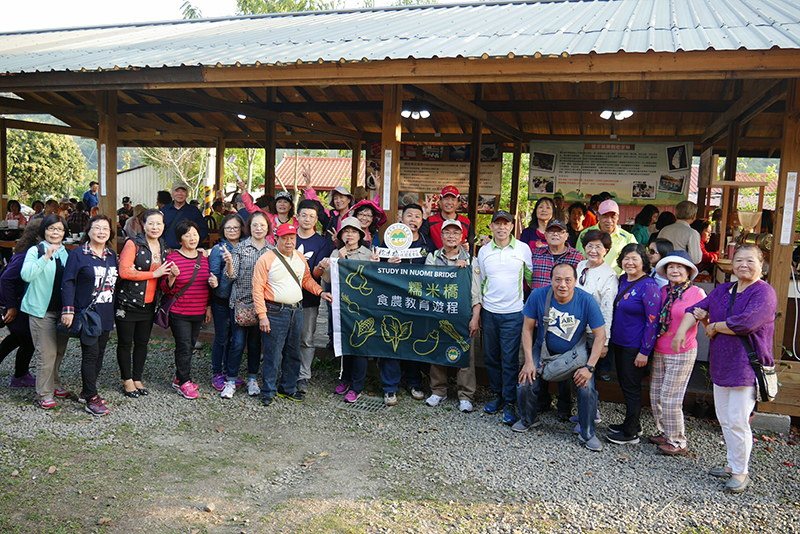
<point>92,364</point>
<point>133,335</point>
<point>24,354</point>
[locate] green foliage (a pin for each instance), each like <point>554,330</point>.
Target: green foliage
<point>523,206</point>
<point>252,7</point>
<point>43,165</point>
<point>188,164</point>
<point>191,12</point>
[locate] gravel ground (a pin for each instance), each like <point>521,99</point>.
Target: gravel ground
<point>410,468</point>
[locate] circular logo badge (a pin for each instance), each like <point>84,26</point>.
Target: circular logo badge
<point>398,237</point>
<point>453,353</point>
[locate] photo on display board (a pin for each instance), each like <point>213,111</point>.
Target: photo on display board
<point>487,203</point>
<point>671,183</point>
<point>677,159</point>
<point>642,190</point>
<point>405,198</point>
<point>490,152</point>
<point>542,185</point>
<point>432,152</point>
<point>543,161</point>
<point>459,153</point>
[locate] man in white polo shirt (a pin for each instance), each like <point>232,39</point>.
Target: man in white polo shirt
<point>502,266</point>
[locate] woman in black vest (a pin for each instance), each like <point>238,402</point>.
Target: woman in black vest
<point>142,263</point>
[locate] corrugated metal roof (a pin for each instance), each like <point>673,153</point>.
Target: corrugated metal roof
<point>567,27</point>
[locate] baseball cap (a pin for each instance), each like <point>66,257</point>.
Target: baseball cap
<point>451,222</point>
<point>126,200</point>
<point>450,190</point>
<point>559,195</point>
<point>64,200</point>
<point>502,214</point>
<point>285,195</point>
<point>286,229</point>
<point>556,222</point>
<point>180,185</point>
<point>608,206</point>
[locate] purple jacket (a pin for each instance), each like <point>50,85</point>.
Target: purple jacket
<point>753,315</point>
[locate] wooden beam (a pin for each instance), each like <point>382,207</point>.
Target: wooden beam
<point>780,265</point>
<point>452,100</point>
<point>516,166</point>
<point>3,168</point>
<point>52,128</point>
<point>220,104</point>
<point>28,107</point>
<point>107,155</point>
<point>474,174</point>
<point>738,108</point>
<point>389,186</point>
<point>355,164</point>
<point>168,127</point>
<point>270,147</point>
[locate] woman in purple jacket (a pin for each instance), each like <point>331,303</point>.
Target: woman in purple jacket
<point>12,289</point>
<point>735,312</point>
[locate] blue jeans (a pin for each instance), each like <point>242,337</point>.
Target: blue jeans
<point>286,326</point>
<point>502,333</point>
<point>354,371</point>
<point>528,399</point>
<point>391,372</point>
<point>222,338</point>
<point>241,335</point>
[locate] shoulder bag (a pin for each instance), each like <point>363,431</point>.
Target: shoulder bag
<point>766,378</point>
<point>162,313</point>
<point>558,367</point>
<point>86,325</point>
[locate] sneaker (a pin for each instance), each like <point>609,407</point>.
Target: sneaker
<point>252,387</point>
<point>296,396</point>
<point>218,382</point>
<point>302,386</point>
<point>657,440</point>
<point>509,414</point>
<point>26,381</point>
<point>266,401</point>
<point>417,393</point>
<point>61,393</point>
<point>342,388</point>
<point>351,396</point>
<point>188,390</point>
<point>563,417</point>
<point>574,418</point>
<point>494,405</point>
<point>434,400</point>
<point>228,390</point>
<point>96,406</point>
<point>239,382</point>
<point>390,399</point>
<point>593,444</point>
<point>178,385</point>
<point>81,398</point>
<point>47,404</point>
<point>523,426</point>
<point>620,428</point>
<point>621,439</point>
<point>465,406</point>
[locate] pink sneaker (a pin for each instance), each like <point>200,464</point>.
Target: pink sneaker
<point>177,385</point>
<point>61,393</point>
<point>351,396</point>
<point>26,381</point>
<point>188,390</point>
<point>342,388</point>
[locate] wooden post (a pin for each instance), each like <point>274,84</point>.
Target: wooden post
<point>355,164</point>
<point>270,140</point>
<point>219,167</point>
<point>780,264</point>
<point>107,154</point>
<point>3,168</point>
<point>475,171</point>
<point>515,169</point>
<point>391,131</point>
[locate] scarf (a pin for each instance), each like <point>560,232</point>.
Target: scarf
<point>674,293</point>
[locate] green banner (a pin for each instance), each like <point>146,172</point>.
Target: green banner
<point>403,311</point>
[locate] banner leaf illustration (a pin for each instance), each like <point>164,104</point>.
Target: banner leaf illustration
<point>393,331</point>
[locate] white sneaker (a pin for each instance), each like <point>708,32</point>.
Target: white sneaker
<point>465,406</point>
<point>228,390</point>
<point>434,400</point>
<point>252,387</point>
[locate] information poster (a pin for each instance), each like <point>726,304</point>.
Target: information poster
<point>635,173</point>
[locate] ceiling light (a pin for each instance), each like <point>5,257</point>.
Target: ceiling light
<point>424,113</point>
<point>405,113</point>
<point>242,116</point>
<point>606,114</point>
<point>415,115</point>
<point>622,115</point>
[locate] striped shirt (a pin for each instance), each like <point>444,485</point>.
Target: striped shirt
<point>195,299</point>
<point>274,283</point>
<point>245,256</point>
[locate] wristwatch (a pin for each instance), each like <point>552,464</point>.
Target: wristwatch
<point>590,368</point>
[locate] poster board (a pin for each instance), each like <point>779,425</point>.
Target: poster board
<point>635,173</point>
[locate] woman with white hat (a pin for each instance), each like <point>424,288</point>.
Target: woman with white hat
<point>672,369</point>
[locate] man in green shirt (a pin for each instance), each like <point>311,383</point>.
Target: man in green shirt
<point>607,221</point>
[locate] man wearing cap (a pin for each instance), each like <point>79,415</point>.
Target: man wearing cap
<point>64,208</point>
<point>314,249</point>
<point>448,204</point>
<point>126,211</point>
<point>90,198</point>
<point>560,212</point>
<point>279,278</point>
<point>502,268</point>
<point>179,210</point>
<point>607,222</point>
<point>452,254</point>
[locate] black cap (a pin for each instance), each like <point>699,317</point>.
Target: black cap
<point>502,214</point>
<point>126,200</point>
<point>556,222</point>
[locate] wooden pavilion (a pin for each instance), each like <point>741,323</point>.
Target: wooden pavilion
<point>722,74</point>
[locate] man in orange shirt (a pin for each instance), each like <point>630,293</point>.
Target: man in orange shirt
<point>278,282</point>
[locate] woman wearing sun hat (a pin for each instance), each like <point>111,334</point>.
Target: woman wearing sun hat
<point>671,370</point>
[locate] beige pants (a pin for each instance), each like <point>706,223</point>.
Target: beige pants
<point>465,379</point>
<point>51,345</point>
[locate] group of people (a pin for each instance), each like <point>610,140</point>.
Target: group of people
<point>559,287</point>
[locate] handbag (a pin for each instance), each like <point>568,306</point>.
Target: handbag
<point>766,377</point>
<point>86,325</point>
<point>245,314</point>
<point>558,367</point>
<point>162,313</point>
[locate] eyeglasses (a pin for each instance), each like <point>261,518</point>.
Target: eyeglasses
<point>365,216</point>
<point>598,248</point>
<point>582,279</point>
<point>55,229</point>
<point>232,228</point>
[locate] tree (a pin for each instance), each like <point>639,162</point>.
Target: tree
<point>191,12</point>
<point>43,165</point>
<point>188,164</point>
<point>253,7</point>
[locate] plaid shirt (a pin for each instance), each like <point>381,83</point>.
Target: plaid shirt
<point>544,261</point>
<point>245,257</point>
<point>78,218</point>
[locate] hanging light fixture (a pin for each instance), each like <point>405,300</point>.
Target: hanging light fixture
<point>622,115</point>
<point>415,110</point>
<point>405,113</point>
<point>605,115</point>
